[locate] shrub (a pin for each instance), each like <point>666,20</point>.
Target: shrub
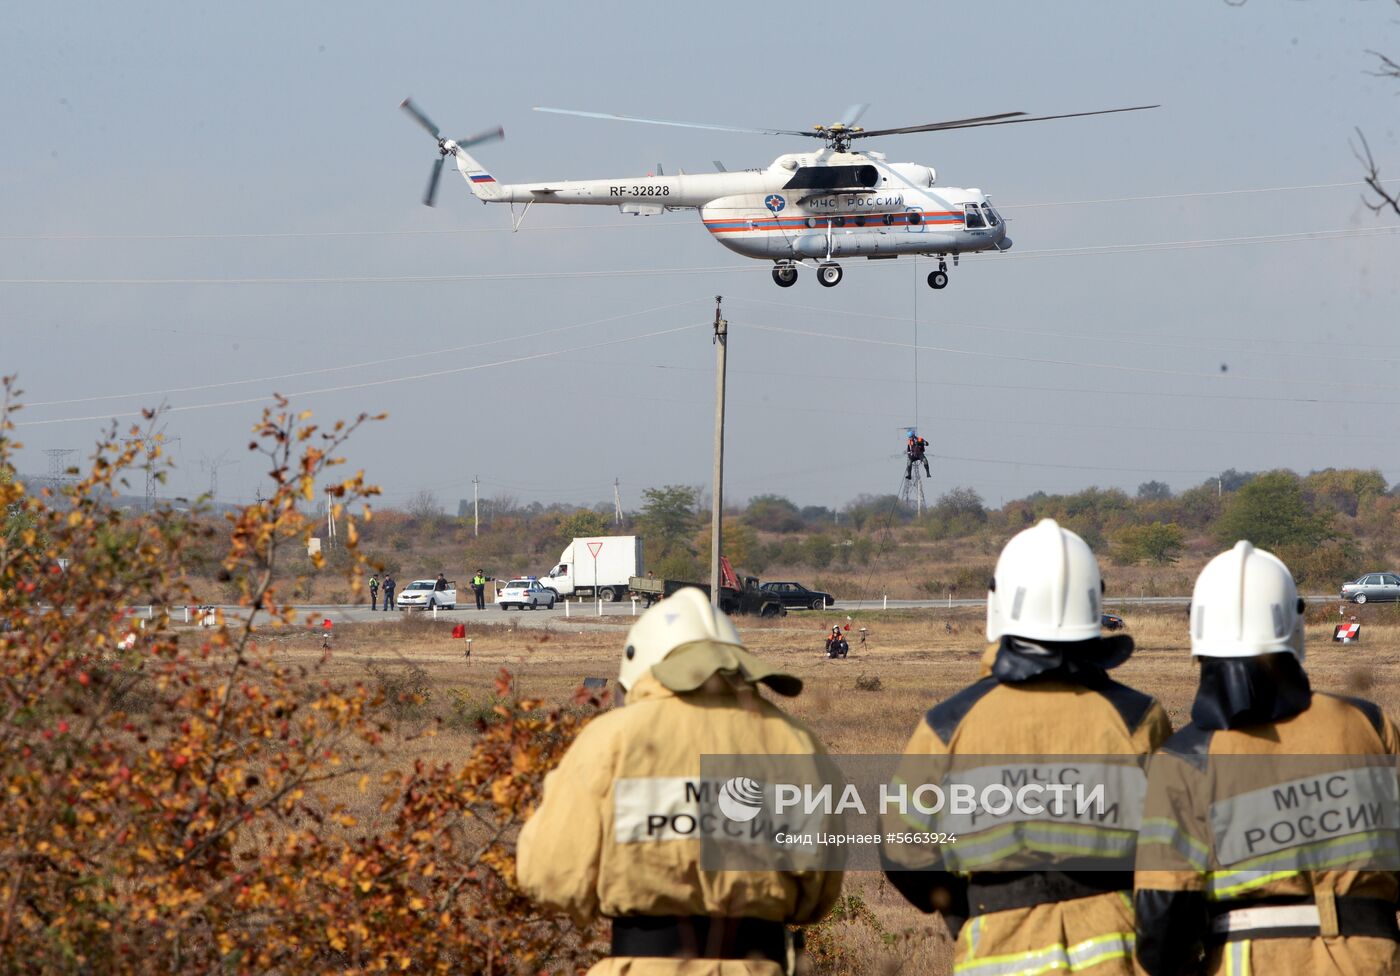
<point>831,949</point>
<point>168,802</point>
<point>1270,511</point>
<point>1156,543</point>
<point>405,692</point>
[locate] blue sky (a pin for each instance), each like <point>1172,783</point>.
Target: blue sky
<point>212,148</point>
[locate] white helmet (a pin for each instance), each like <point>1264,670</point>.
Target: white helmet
<point>1246,604</point>
<point>695,641</point>
<point>1047,587</point>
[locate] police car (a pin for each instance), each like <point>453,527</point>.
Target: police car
<point>525,592</point>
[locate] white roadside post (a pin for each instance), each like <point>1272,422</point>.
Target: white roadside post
<point>634,606</point>
<point>886,605</point>
<point>566,608</point>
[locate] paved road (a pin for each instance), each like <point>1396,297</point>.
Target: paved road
<point>618,612</point>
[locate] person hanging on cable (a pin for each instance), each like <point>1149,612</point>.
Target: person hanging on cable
<point>914,451</point>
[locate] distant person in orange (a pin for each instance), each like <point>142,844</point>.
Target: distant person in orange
<point>915,452</point>
<point>836,645</point>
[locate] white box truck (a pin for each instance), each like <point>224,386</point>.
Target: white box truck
<point>617,558</point>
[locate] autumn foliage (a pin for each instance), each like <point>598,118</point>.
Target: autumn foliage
<point>168,801</point>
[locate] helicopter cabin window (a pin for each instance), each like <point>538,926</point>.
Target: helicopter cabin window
<point>973,218</point>
<point>990,214</point>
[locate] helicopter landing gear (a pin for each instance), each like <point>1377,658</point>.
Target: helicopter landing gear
<point>939,279</point>
<point>829,275</point>
<point>784,276</point>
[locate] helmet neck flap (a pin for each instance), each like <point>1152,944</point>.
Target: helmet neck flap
<point>1078,662</point>
<point>1243,691</point>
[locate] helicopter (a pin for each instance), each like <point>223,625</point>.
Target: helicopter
<point>805,209</point>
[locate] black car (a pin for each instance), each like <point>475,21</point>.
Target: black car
<point>798,596</point>
<point>1112,622</point>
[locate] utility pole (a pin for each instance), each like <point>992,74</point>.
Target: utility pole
<point>476,506</point>
<point>330,520</point>
<point>721,343</point>
<point>617,503</point>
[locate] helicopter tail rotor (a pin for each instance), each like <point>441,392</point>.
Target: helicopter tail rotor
<point>450,147</point>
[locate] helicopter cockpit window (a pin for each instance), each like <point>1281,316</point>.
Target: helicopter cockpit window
<point>973,218</point>
<point>990,214</point>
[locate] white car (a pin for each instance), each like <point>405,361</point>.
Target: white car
<point>425,594</point>
<point>522,593</point>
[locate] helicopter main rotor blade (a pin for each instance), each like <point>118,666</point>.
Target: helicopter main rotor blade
<point>853,114</point>
<point>431,195</point>
<point>1005,119</point>
<point>486,135</point>
<point>427,123</point>
<point>683,125</point>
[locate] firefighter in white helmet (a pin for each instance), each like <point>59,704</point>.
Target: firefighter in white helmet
<point>1028,895</point>
<point>616,834</point>
<point>1257,852</point>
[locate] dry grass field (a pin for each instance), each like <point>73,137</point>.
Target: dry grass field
<point>920,657</point>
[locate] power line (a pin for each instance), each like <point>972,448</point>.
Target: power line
<point>1188,343</point>
<point>367,384</point>
<point>616,225</point>
<point>1090,251</point>
<point>1115,367</point>
<point>1182,196</point>
<point>1319,235</point>
<point>434,353</point>
<point>764,406</point>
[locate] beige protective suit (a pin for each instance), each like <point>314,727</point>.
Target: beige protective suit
<point>612,837</point>
<point>1059,713</point>
<point>1181,883</point>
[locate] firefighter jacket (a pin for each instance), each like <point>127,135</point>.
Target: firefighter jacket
<point>612,836</point>
<point>1047,894</point>
<point>1268,827</point>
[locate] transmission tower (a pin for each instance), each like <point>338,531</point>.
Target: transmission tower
<point>212,465</point>
<point>617,503</point>
<point>152,444</point>
<point>58,466</point>
<point>912,492</point>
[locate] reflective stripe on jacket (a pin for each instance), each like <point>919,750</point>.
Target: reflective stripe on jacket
<point>1087,715</point>
<point>1187,872</point>
<point>591,851</point>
